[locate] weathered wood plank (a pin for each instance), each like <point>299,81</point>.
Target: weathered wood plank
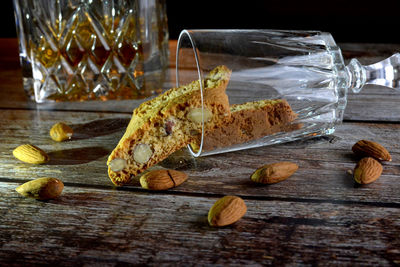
<point>373,103</point>
<point>96,226</point>
<point>323,162</point>
<point>317,216</point>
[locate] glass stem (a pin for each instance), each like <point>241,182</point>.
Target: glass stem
<point>384,73</point>
<point>357,75</point>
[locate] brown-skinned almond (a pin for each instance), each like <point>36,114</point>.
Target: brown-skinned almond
<point>274,173</point>
<point>162,179</point>
<point>366,148</point>
<point>41,188</point>
<point>367,170</point>
<point>226,210</point>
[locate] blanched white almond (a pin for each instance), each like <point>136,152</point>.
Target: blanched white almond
<point>195,115</point>
<point>142,153</point>
<point>117,164</point>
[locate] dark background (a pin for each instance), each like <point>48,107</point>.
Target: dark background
<point>348,21</point>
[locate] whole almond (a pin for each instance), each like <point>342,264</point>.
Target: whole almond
<point>367,170</point>
<point>274,173</point>
<point>162,179</point>
<point>226,210</point>
<point>42,188</point>
<point>30,154</point>
<point>61,132</point>
<point>365,148</point>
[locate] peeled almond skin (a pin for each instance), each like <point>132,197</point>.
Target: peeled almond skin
<point>367,171</point>
<point>226,211</point>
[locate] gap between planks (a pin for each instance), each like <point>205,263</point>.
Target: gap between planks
<point>370,121</point>
<point>65,110</point>
<point>214,195</point>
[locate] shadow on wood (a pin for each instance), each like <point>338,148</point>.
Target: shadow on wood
<point>182,160</point>
<point>99,128</point>
<point>352,157</point>
<point>302,143</point>
<point>76,155</point>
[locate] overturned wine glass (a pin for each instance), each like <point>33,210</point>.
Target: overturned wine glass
<point>285,85</point>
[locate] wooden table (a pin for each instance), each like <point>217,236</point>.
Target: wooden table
<point>316,217</point>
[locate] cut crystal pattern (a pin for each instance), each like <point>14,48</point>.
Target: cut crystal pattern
<point>81,50</point>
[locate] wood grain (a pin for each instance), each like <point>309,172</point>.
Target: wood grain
<point>324,162</point>
<point>96,226</point>
<point>316,217</point>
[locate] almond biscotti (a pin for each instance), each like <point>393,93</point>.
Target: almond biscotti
<point>250,121</point>
<point>167,123</point>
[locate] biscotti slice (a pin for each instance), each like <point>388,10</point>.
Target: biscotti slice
<point>167,123</point>
<point>249,121</point>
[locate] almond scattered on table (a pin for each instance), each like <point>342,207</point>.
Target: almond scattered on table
<point>30,154</point>
<point>367,171</point>
<point>366,148</point>
<point>274,173</point>
<point>61,132</point>
<point>41,188</point>
<point>226,210</point>
<point>162,179</point>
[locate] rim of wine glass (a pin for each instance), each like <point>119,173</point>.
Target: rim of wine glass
<point>183,34</point>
